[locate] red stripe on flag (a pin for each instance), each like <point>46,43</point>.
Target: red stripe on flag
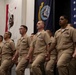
<point>6,27</point>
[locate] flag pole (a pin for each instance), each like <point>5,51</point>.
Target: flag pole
<point>6,27</point>
<point>53,16</point>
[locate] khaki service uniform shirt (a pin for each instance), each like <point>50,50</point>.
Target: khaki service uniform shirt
<point>65,39</point>
<point>40,42</point>
<point>23,45</point>
<point>53,52</point>
<point>1,45</point>
<point>8,49</point>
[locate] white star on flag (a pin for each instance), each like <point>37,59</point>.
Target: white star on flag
<point>74,9</point>
<point>74,2</point>
<point>73,12</point>
<point>74,22</point>
<point>74,15</point>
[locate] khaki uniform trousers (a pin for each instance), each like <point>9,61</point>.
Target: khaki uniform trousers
<point>38,60</point>
<point>49,69</point>
<point>72,67</point>
<point>6,65</point>
<point>0,62</point>
<point>22,64</point>
<point>64,58</point>
<point>0,59</point>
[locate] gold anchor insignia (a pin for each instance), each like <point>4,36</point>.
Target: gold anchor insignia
<point>39,16</point>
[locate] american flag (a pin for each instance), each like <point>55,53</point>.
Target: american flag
<point>73,12</point>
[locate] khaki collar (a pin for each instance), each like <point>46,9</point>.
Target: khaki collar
<point>7,41</point>
<point>23,37</point>
<point>38,33</point>
<point>62,30</point>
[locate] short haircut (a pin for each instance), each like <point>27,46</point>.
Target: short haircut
<point>49,30</point>
<point>10,34</point>
<point>1,37</point>
<point>43,22</point>
<point>25,27</point>
<point>32,33</point>
<point>66,17</point>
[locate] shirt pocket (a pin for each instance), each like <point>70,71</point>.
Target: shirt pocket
<point>24,42</point>
<point>66,35</point>
<point>6,46</point>
<point>40,39</point>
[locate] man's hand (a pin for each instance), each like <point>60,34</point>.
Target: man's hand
<point>30,60</point>
<point>47,57</point>
<point>74,55</point>
<point>27,57</point>
<point>14,59</point>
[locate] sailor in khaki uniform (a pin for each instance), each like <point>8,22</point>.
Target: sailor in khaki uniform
<point>65,39</point>
<point>7,54</point>
<point>72,65</point>
<point>40,45</point>
<point>22,50</point>
<point>49,69</point>
<point>1,45</point>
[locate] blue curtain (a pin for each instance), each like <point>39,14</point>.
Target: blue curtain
<point>73,12</point>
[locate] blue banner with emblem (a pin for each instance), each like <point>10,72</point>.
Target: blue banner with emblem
<point>73,12</point>
<point>44,11</point>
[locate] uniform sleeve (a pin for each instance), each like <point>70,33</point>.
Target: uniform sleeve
<point>1,47</point>
<point>53,40</point>
<point>74,35</point>
<point>47,38</point>
<point>18,44</point>
<point>0,50</point>
<point>29,41</point>
<point>33,42</point>
<point>12,46</point>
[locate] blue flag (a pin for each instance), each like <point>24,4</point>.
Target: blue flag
<point>44,12</point>
<point>73,12</point>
